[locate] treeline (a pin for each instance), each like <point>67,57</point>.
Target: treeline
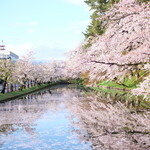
<point>26,73</point>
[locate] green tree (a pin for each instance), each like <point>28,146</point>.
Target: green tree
<point>97,25</point>
<point>101,5</point>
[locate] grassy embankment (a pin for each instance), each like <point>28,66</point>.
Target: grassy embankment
<point>16,94</point>
<point>128,83</point>
<point>121,91</point>
<point>123,96</point>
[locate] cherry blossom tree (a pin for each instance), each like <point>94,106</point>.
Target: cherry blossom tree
<point>26,71</point>
<point>37,74</point>
<point>23,69</point>
<point>6,70</point>
<point>57,68</point>
<point>124,48</point>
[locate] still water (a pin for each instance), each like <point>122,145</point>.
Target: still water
<point>40,121</point>
<point>68,118</point>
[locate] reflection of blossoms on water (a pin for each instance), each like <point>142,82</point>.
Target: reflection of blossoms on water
<point>109,125</point>
<point>68,118</point>
<point>38,121</point>
<point>28,109</point>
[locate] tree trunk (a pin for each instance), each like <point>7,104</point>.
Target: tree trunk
<point>35,82</point>
<point>4,85</point>
<point>24,84</point>
<point>21,87</point>
<point>11,87</point>
<point>28,83</point>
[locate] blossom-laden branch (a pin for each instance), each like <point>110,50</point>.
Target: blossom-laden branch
<point>121,65</point>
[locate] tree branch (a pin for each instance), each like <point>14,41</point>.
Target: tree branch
<point>124,16</point>
<point>121,65</point>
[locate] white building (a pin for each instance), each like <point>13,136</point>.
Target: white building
<point>6,54</point>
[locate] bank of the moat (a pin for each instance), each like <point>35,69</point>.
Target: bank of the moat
<point>67,117</point>
<point>16,94</point>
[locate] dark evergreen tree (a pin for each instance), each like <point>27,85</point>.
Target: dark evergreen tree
<point>97,25</point>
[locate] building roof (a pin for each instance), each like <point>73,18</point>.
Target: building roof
<point>6,54</point>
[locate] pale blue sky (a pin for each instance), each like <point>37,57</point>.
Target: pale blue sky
<point>50,27</point>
